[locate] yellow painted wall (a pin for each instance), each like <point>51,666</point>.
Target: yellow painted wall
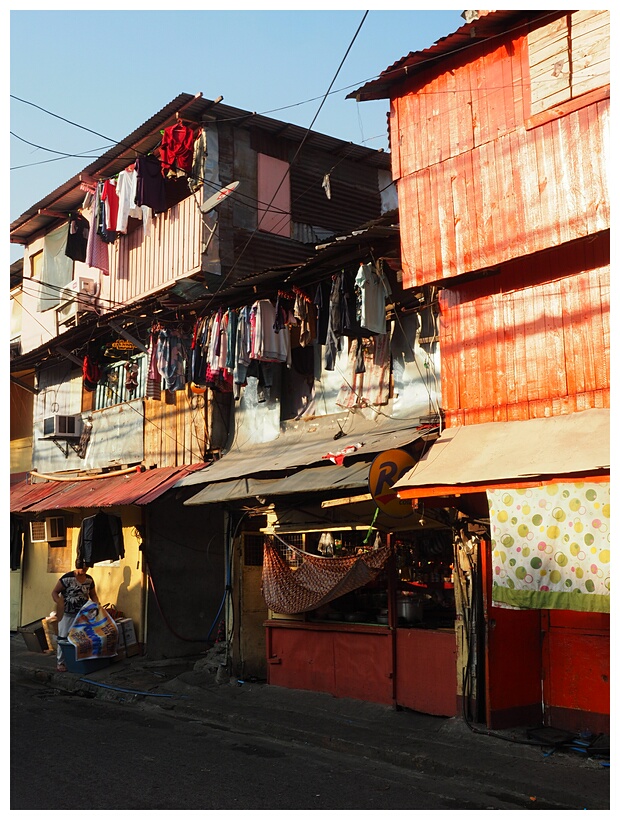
<point>21,455</point>
<point>119,585</point>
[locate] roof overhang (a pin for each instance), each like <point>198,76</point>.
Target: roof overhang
<point>487,26</point>
<point>309,480</point>
<point>477,457</point>
<point>307,443</point>
<point>139,488</point>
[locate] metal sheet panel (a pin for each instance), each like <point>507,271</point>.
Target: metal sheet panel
<point>499,451</point>
<point>23,494</point>
<point>305,443</point>
<point>133,488</point>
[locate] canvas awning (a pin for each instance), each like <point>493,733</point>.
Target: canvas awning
<point>312,479</point>
<point>474,457</point>
<point>120,490</point>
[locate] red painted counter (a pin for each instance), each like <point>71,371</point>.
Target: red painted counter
<point>426,664</point>
<point>345,660</point>
<point>415,668</point>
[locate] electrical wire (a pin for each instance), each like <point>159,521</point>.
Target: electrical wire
<point>288,170</point>
<point>386,75</point>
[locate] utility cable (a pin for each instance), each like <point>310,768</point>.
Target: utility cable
<point>288,171</point>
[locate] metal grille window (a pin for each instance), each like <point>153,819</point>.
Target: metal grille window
<point>123,381</point>
<point>253,548</point>
<point>292,558</point>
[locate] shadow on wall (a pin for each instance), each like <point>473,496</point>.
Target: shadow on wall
<point>122,596</point>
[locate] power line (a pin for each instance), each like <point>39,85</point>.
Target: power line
<point>288,171</point>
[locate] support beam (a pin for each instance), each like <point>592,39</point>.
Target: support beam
<point>24,386</point>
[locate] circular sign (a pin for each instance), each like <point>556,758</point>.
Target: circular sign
<point>384,472</point>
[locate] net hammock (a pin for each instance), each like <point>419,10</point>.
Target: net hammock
<point>318,580</point>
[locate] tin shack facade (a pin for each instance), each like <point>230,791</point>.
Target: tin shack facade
<point>500,145</point>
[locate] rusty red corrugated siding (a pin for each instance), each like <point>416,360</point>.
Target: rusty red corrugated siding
<point>525,344</point>
<point>24,494</point>
<point>489,188</point>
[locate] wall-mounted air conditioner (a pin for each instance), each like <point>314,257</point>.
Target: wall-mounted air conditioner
<point>88,291</point>
<point>59,426</point>
<point>16,348</point>
<point>50,530</point>
<point>78,296</point>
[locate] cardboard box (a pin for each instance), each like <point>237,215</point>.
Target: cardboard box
<point>129,633</point>
<point>120,644</point>
<point>50,627</point>
<point>34,636</point>
<point>129,642</point>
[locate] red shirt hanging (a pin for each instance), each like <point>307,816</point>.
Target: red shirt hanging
<point>177,148</point>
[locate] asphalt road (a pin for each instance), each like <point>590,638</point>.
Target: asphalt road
<point>73,752</point>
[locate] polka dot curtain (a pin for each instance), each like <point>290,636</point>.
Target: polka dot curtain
<point>551,546</point>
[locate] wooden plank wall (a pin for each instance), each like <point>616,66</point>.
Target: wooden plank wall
<point>529,343</point>
<point>174,429</point>
<point>569,57</point>
<point>480,187</point>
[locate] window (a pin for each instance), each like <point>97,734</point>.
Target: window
<point>274,196</point>
<point>122,381</point>
<point>568,58</point>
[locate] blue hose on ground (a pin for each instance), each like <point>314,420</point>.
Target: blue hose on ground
<point>127,691</point>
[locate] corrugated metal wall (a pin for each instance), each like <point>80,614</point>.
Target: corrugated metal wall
<point>529,343</point>
<point>484,188</point>
<point>171,248</point>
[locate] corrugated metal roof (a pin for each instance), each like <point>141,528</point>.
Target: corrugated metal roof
<point>134,488</point>
<point>305,444</point>
<point>69,196</point>
<point>492,24</point>
<point>23,494</point>
<point>381,234</point>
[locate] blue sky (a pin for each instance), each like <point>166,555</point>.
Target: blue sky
<point>109,71</point>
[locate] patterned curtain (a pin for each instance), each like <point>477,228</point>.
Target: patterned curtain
<point>551,546</point>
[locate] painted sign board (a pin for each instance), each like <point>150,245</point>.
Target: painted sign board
<point>384,472</point>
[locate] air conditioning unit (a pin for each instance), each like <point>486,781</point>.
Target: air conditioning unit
<point>50,531</point>
<point>62,427</point>
<point>88,291</point>
<point>16,348</point>
<point>78,296</point>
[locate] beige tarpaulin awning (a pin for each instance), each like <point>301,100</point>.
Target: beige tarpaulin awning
<point>479,454</point>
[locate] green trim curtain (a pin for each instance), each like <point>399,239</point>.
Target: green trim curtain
<point>551,546</point>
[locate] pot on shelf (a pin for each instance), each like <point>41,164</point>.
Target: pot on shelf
<point>410,609</point>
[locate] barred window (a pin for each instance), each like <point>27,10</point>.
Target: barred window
<point>121,382</point>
